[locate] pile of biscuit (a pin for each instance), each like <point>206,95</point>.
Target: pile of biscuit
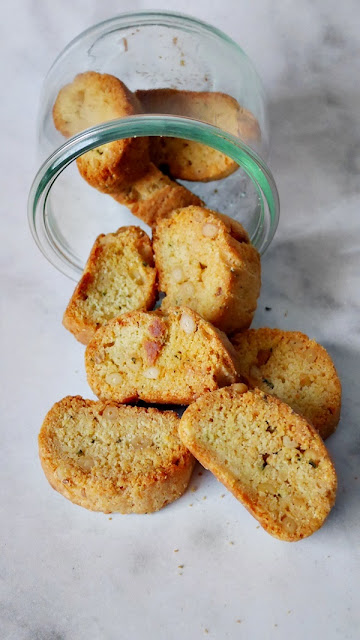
<point>259,402</point>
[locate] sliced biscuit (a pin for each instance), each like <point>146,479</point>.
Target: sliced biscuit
<point>109,457</point>
<point>188,160</point>
<point>119,276</point>
<point>154,196</point>
<point>171,358</point>
<point>206,262</point>
<point>93,98</point>
<point>296,369</point>
<point>267,455</point>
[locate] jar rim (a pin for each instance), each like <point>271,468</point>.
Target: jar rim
<point>148,125</point>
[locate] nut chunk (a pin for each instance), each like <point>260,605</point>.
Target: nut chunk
<point>109,457</point>
<point>206,262</point>
<point>269,457</point>
<point>119,276</point>
<point>171,358</point>
<point>294,368</point>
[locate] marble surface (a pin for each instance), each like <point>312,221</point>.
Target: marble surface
<point>68,574</point>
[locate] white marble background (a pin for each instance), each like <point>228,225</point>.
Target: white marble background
<point>68,574</point>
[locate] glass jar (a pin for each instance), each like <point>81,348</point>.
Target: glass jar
<point>150,51</point>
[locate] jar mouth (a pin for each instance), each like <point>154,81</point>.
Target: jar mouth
<point>147,125</point>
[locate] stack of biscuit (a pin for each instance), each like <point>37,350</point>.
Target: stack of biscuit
<point>259,402</point>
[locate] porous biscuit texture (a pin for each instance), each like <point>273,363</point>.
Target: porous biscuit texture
<point>160,358</point>
<point>296,369</point>
<point>206,262</point>
<point>188,160</point>
<point>267,455</point>
<point>119,276</point>
<point>114,458</point>
<point>90,99</point>
<point>154,196</point>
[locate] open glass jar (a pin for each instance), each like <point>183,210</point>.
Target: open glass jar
<point>150,51</point>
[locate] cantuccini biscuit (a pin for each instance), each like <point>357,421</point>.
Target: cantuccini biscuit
<point>119,276</point>
<point>160,358</point>
<point>188,160</point>
<point>296,369</point>
<point>205,261</point>
<point>267,455</point>
<point>109,457</point>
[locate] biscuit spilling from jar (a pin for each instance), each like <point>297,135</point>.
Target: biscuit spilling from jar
<point>109,457</point>
<point>121,168</point>
<point>90,99</point>
<point>160,358</point>
<point>188,160</point>
<point>269,457</point>
<point>296,369</point>
<point>119,276</point>
<point>205,261</point>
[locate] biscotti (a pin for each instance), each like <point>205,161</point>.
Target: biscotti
<point>267,455</point>
<point>109,457</point>
<point>93,98</point>
<point>296,369</point>
<point>119,276</point>
<point>159,358</point>
<point>188,160</point>
<point>154,196</point>
<point>205,261</point>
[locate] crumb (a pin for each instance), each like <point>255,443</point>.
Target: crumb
<point>176,550</point>
<point>110,518</point>
<point>258,527</point>
<point>285,314</point>
<point>222,495</point>
<point>180,566</point>
<point>200,473</point>
<point>182,62</point>
<point>125,44</point>
<point>275,625</point>
<point>175,40</point>
<point>206,630</point>
<point>216,190</point>
<point>268,308</point>
<point>204,497</point>
<point>206,78</point>
<point>193,489</point>
<point>289,610</point>
<point>231,542</point>
<point>180,573</point>
<point>190,505</point>
<point>355,477</point>
<point>160,57</point>
<point>238,621</point>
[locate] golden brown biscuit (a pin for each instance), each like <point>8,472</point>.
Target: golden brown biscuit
<point>206,262</point>
<point>267,455</point>
<point>119,276</point>
<point>109,457</point>
<point>93,98</point>
<point>154,196</point>
<point>172,358</point>
<point>189,160</point>
<point>294,368</point>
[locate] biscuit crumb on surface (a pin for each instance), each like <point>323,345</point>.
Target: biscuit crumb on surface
<point>269,457</point>
<point>114,458</point>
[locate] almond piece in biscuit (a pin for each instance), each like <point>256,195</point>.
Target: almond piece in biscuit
<point>109,457</point>
<point>268,456</point>
<point>205,261</point>
<point>296,369</point>
<point>170,358</point>
<point>188,160</point>
<point>93,98</point>
<point>119,276</point>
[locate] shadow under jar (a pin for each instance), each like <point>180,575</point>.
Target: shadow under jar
<point>148,52</point>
